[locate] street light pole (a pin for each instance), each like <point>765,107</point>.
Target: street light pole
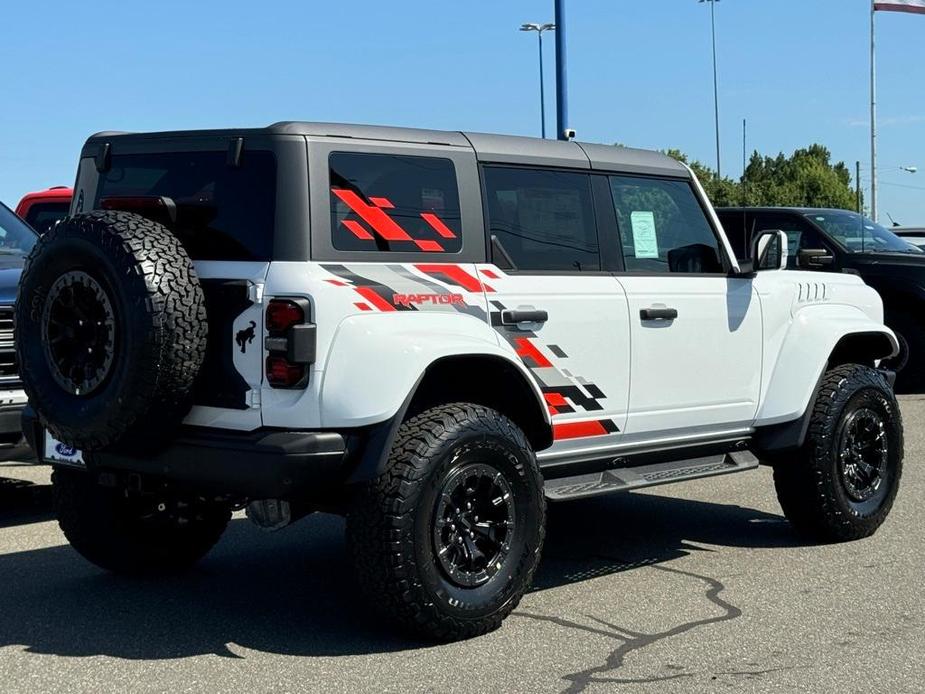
<point>565,132</point>
<point>715,84</point>
<point>539,29</point>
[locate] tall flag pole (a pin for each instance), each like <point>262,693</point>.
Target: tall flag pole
<point>873,111</point>
<point>914,7</point>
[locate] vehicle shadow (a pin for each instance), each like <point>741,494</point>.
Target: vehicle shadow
<point>23,502</point>
<point>291,592</point>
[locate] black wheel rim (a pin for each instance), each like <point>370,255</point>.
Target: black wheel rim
<point>78,333</point>
<point>863,454</point>
<point>473,524</point>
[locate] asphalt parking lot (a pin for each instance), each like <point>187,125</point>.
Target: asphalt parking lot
<point>693,587</point>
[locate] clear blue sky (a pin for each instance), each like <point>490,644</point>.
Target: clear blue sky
<point>639,74</point>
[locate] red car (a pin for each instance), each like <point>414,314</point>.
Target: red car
<point>43,209</point>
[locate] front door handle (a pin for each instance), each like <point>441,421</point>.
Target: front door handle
<point>515,316</point>
<point>658,313</point>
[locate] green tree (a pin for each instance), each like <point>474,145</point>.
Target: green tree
<point>807,178</point>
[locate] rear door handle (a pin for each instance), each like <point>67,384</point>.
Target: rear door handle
<point>515,316</point>
<point>658,313</point>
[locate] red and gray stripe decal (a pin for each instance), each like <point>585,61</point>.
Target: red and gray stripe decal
<point>374,295</point>
<point>564,393</point>
<point>377,296</point>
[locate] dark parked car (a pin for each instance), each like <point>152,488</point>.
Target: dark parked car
<point>843,241</point>
<point>16,240</point>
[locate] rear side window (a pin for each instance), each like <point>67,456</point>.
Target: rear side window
<point>543,220</point>
<point>222,212</point>
<point>396,203</point>
<point>42,216</point>
<point>662,227</point>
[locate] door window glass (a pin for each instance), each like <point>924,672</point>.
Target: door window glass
<point>663,228</point>
<point>543,220</point>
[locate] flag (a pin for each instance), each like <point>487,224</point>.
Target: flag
<point>917,6</point>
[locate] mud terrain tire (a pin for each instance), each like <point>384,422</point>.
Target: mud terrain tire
<point>111,330</point>
<point>441,460</point>
<point>844,481</point>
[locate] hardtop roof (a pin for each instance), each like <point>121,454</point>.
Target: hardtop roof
<point>488,147</point>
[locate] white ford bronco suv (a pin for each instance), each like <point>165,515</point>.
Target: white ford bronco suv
<point>432,333</point>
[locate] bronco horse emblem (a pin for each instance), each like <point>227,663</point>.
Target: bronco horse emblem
<point>245,337</point>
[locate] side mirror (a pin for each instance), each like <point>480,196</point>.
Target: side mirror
<point>769,250</point>
<point>815,259</point>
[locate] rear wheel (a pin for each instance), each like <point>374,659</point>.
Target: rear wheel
<point>131,533</point>
<point>844,482</point>
<point>445,542</point>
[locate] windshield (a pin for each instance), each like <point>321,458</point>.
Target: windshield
<point>16,238</point>
<point>859,234</point>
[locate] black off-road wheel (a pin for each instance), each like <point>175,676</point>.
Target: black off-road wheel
<point>842,485</point>
<point>909,364</point>
<point>134,534</point>
<point>111,330</point>
<point>445,542</point>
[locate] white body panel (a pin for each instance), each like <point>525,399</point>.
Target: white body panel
<point>805,318</point>
<point>743,352</point>
<point>580,357</point>
<point>702,369</point>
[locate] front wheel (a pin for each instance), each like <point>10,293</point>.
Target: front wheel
<point>445,542</point>
<point>843,483</point>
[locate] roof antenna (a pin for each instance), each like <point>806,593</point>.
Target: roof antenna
<point>895,223</point>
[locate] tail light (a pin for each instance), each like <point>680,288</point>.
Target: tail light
<point>290,343</point>
<point>282,314</point>
<point>283,374</point>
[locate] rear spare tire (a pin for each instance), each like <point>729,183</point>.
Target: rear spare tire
<point>110,330</point>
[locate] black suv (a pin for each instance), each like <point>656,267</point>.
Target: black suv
<point>843,241</point>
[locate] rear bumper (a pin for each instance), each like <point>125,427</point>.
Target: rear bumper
<point>265,463</point>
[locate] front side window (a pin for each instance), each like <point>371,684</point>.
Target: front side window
<point>663,228</point>
<point>397,203</point>
<point>543,220</point>
<point>222,212</point>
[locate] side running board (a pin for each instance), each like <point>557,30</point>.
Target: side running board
<point>623,479</point>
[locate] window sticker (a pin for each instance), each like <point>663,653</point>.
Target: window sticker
<point>645,240</point>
